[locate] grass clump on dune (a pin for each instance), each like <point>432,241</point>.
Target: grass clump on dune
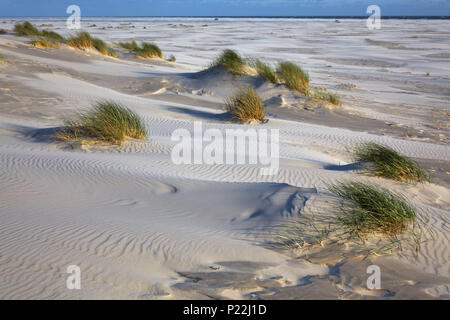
<point>388,163</point>
<point>294,77</point>
<point>132,45</point>
<point>231,61</point>
<point>43,43</point>
<point>103,48</point>
<point>26,29</point>
<point>2,59</point>
<point>327,96</point>
<point>106,121</point>
<point>51,35</point>
<point>333,99</point>
<point>370,210</point>
<point>246,105</point>
<point>148,50</point>
<point>367,218</point>
<point>83,41</point>
<point>264,70</point>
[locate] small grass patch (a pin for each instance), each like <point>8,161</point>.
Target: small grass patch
<point>83,40</point>
<point>172,58</point>
<point>106,121</point>
<point>327,96</point>
<point>148,50</point>
<point>132,45</point>
<point>388,163</point>
<point>369,210</point>
<point>26,29</point>
<point>246,105</point>
<point>3,31</point>
<point>2,59</point>
<point>51,35</point>
<point>294,77</point>
<point>231,61</point>
<point>264,70</point>
<point>42,43</point>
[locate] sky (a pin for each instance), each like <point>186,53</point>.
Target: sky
<point>52,8</point>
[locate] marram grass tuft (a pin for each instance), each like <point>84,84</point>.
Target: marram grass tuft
<point>388,163</point>
<point>106,121</point>
<point>246,105</point>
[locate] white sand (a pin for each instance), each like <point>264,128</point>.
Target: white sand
<point>139,226</point>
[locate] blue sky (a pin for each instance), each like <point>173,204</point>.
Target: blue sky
<point>222,7</point>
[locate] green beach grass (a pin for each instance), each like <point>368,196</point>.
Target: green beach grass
<point>388,163</point>
<point>106,121</point>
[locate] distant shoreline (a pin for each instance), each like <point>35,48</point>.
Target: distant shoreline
<point>252,17</point>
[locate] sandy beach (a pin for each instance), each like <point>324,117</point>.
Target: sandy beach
<point>140,226</point>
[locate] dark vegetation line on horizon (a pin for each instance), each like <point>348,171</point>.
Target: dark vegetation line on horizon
<point>439,17</point>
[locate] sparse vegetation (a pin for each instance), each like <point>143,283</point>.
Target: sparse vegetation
<point>83,41</point>
<point>369,210</point>
<point>148,50</point>
<point>132,45</point>
<point>231,62</point>
<point>246,105</point>
<point>106,121</point>
<point>326,96</point>
<point>3,31</point>
<point>388,163</point>
<point>42,43</point>
<point>373,219</point>
<point>264,70</point>
<point>172,58</point>
<point>26,29</point>
<point>2,59</point>
<point>294,77</point>
<point>51,35</point>
<point>103,48</point>
<point>287,73</point>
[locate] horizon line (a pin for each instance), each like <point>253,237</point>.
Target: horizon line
<point>257,16</point>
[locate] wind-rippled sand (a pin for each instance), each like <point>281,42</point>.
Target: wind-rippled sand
<point>141,227</point>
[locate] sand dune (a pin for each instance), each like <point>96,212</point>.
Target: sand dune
<point>140,226</point>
